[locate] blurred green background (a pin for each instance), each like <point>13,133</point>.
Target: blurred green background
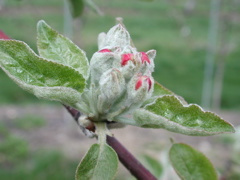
<point>178,30</point>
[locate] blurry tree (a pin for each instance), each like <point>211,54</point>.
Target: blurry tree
<point>211,53</point>
<point>74,9</point>
<point>225,48</point>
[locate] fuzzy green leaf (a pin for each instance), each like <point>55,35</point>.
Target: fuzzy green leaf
<point>43,78</point>
<point>190,163</point>
<point>56,47</point>
<point>100,162</point>
<point>160,90</point>
<point>169,113</point>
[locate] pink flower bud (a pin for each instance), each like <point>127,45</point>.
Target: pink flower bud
<point>104,50</point>
<point>141,80</point>
<point>126,58</point>
<point>3,35</point>
<point>144,57</point>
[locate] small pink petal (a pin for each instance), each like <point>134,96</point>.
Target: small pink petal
<point>138,84</point>
<point>144,57</point>
<point>104,50</point>
<point>126,58</point>
<point>141,80</point>
<point>3,35</point>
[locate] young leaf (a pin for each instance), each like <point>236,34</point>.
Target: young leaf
<point>100,162</point>
<point>153,164</point>
<point>43,78</point>
<point>160,90</point>
<point>190,163</point>
<point>169,113</point>
<point>55,47</point>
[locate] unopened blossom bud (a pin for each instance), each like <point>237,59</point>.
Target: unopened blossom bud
<point>151,55</point>
<point>140,88</point>
<point>117,36</point>
<point>104,50</point>
<point>131,64</point>
<point>143,79</point>
<point>3,35</point>
<point>144,58</point>
<point>112,85</point>
<point>100,63</point>
<point>147,61</point>
<point>125,58</point>
<point>101,40</point>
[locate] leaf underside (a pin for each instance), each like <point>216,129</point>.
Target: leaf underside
<point>169,113</point>
<point>190,163</point>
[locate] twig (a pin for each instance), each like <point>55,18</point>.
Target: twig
<point>126,158</point>
<point>129,161</point>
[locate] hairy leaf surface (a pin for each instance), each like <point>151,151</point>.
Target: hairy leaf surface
<point>160,90</point>
<point>190,163</point>
<point>100,162</point>
<point>169,113</point>
<point>43,78</point>
<point>56,47</point>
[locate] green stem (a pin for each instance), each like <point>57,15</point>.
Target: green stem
<point>102,131</point>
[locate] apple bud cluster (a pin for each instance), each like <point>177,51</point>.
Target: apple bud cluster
<point>120,76</point>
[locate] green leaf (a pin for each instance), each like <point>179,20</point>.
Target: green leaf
<point>160,90</point>
<point>153,165</point>
<point>100,162</point>
<point>77,7</point>
<point>56,47</point>
<point>190,163</point>
<point>43,78</point>
<point>169,113</point>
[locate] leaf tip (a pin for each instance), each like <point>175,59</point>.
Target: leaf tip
<point>41,22</point>
<point>40,25</point>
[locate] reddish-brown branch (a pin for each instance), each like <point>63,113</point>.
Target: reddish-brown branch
<point>129,161</point>
<point>126,158</point>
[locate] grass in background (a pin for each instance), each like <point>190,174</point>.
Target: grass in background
<point>19,161</point>
<point>29,121</point>
<point>152,25</point>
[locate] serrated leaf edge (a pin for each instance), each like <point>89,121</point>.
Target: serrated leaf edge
<point>64,37</point>
<point>44,59</point>
<point>189,131</point>
<point>200,108</point>
<point>100,147</point>
<point>179,174</point>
